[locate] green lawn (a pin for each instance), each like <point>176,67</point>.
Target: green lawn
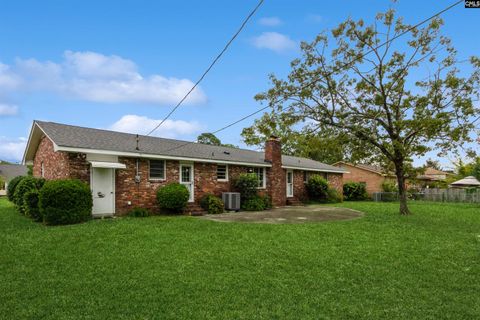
<point>426,266</point>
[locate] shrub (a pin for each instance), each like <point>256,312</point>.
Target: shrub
<point>65,202</point>
<point>138,212</point>
<point>267,202</point>
<point>389,186</point>
<point>212,204</point>
<point>333,196</point>
<point>30,205</point>
<point>12,185</point>
<point>246,184</point>
<point>25,185</point>
<point>355,191</point>
<point>317,188</point>
<point>257,203</point>
<point>173,197</point>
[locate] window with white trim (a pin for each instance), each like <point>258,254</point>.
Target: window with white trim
<point>42,170</point>
<point>222,172</point>
<point>260,173</point>
<point>157,169</point>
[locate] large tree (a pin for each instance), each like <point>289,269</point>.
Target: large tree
<point>296,141</point>
<point>394,101</point>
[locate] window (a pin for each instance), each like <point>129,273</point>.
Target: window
<point>260,172</point>
<point>42,170</point>
<point>306,176</point>
<point>222,172</point>
<point>157,170</point>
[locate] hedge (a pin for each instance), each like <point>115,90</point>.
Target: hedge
<point>247,185</point>
<point>212,204</point>
<point>65,202</point>
<point>30,205</point>
<point>25,185</point>
<point>355,191</point>
<point>173,197</point>
<point>12,185</point>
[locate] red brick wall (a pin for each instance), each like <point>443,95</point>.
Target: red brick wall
<point>144,194</point>
<point>373,180</point>
<point>335,180</point>
<point>58,164</point>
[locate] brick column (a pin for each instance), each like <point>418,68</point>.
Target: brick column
<point>276,183</point>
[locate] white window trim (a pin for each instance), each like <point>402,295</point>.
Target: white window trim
<point>226,172</point>
<point>164,170</point>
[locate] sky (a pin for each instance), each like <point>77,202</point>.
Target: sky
<point>123,65</point>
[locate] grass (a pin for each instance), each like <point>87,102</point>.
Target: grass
<point>425,266</point>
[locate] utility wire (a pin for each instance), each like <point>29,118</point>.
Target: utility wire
<point>210,66</point>
<point>341,67</point>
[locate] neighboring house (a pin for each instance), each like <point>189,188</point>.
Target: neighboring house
<point>10,171</point>
<point>125,170</point>
<point>431,177</point>
<point>467,182</point>
<point>372,176</point>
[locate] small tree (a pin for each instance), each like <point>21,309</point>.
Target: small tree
<point>208,138</point>
<point>382,100</point>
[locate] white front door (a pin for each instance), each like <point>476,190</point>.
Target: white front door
<point>103,181</point>
<point>289,183</point>
<point>186,178</point>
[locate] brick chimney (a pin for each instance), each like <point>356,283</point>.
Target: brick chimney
<point>276,183</point>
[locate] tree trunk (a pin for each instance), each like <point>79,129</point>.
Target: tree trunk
<point>402,189</point>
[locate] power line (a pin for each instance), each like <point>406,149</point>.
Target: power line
<point>210,66</point>
<point>341,67</point>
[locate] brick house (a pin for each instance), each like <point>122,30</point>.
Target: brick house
<point>372,176</point>
<point>125,170</point>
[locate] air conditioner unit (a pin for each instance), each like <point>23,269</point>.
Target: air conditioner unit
<point>231,200</point>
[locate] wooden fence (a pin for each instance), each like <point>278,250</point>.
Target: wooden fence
<point>437,195</point>
<point>452,195</point>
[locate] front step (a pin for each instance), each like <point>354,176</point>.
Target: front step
<point>194,210</point>
<point>294,202</point>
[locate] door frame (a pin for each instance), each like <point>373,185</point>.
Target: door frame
<point>114,194</point>
<point>192,177</point>
<point>286,180</point>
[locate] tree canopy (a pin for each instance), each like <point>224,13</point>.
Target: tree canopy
<point>211,139</point>
<point>390,100</point>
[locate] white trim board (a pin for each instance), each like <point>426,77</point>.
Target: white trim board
<point>154,156</point>
<point>310,169</point>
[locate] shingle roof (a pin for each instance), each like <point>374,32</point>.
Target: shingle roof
<point>433,171</point>
<point>376,169</point>
<point>467,181</point>
<point>10,171</point>
<point>89,138</point>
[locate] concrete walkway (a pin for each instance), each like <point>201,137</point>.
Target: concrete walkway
<point>298,214</point>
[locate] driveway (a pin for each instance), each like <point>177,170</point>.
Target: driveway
<point>298,214</point>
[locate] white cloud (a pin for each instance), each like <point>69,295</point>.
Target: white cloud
<point>274,41</point>
<point>270,21</point>
<point>96,77</point>
<point>169,129</point>
<point>8,80</point>
<point>8,110</point>
<point>12,149</point>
